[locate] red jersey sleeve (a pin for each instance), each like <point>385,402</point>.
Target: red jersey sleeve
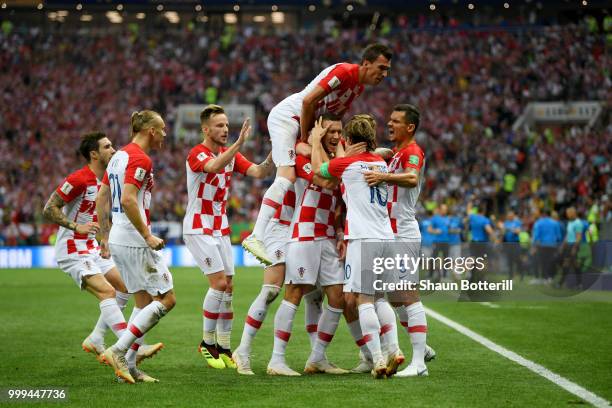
<point>71,187</point>
<point>242,164</point>
<point>412,157</point>
<point>338,75</point>
<point>303,168</point>
<point>105,179</point>
<point>197,160</point>
<point>138,167</point>
<point>337,166</point>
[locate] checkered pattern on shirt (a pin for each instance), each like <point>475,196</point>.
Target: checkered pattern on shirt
<point>315,218</point>
<point>284,213</point>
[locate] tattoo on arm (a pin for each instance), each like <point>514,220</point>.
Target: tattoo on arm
<point>53,212</point>
<point>267,165</point>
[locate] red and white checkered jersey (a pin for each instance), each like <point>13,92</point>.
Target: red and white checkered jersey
<point>341,81</point>
<point>208,192</point>
<point>79,191</point>
<point>366,207</point>
<point>402,201</point>
<point>130,165</point>
<point>314,214</point>
<point>284,213</point>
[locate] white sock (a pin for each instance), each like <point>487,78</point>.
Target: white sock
<point>224,323</point>
<point>402,315</point>
<point>370,327</point>
<point>99,331</point>
<point>112,316</point>
<point>388,326</point>
<point>210,310</point>
<point>143,322</point>
<point>327,328</point>
<point>312,313</point>
<point>272,200</point>
<point>283,323</point>
<point>417,329</point>
<point>256,315</point>
<point>355,329</point>
<point>130,356</point>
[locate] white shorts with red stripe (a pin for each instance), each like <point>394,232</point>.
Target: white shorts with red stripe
<point>80,266</point>
<point>212,254</point>
<point>142,269</point>
<point>284,128</point>
<point>309,262</point>
<point>275,241</point>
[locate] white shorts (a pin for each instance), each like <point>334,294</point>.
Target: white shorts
<point>275,240</point>
<point>142,269</point>
<point>80,266</point>
<point>361,254</point>
<point>212,254</point>
<point>284,129</point>
<point>309,262</point>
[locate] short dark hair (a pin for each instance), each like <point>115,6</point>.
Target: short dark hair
<point>372,51</point>
<point>411,114</point>
<point>89,143</point>
<point>210,111</point>
<point>330,116</point>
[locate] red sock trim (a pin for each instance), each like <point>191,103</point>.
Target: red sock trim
<point>271,203</point>
<point>120,326</point>
<point>405,324</point>
<point>135,331</point>
<point>283,335</point>
<point>311,328</point>
<point>386,328</point>
<point>326,337</point>
<point>226,316</point>
<point>417,329</point>
<point>135,346</point>
<point>210,315</point>
<point>364,340</point>
<point>253,323</point>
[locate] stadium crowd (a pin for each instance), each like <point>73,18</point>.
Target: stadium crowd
<point>470,87</point>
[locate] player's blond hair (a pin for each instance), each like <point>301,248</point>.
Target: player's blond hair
<point>142,120</point>
<point>361,128</point>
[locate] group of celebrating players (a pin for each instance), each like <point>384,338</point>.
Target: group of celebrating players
<point>336,204</point>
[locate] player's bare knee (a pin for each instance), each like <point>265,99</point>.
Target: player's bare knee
<point>293,294</point>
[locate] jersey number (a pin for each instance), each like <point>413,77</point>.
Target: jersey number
<point>115,186</point>
<point>376,195</point>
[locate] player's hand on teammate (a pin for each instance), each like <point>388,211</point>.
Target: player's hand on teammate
<point>245,132</point>
<point>318,131</point>
<point>154,242</point>
<point>104,249</point>
<point>88,228</point>
<point>354,149</point>
<point>373,178</point>
<point>341,248</point>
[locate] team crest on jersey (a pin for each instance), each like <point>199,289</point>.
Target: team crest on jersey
<point>278,254</point>
<point>334,82</point>
<point>307,168</point>
<point>166,277</point>
<point>301,271</point>
<point>201,156</point>
<point>291,154</point>
<point>140,174</point>
<point>208,262</point>
<point>66,188</point>
<point>87,265</point>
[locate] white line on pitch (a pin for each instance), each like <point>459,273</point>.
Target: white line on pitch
<point>489,304</point>
<point>562,382</point>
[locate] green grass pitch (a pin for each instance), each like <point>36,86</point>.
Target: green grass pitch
<point>44,320</point>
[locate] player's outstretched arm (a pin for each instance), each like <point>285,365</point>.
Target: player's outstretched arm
<point>263,169</point>
<point>218,163</point>
<point>103,212</point>
<point>309,107</point>
<point>53,212</point>
<point>129,203</point>
<point>318,152</point>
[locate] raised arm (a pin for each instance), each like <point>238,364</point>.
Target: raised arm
<point>218,163</point>
<point>263,169</point>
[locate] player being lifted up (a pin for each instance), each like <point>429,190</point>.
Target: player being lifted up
<point>72,206</point>
<point>126,194</point>
<point>332,91</point>
<point>210,166</point>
